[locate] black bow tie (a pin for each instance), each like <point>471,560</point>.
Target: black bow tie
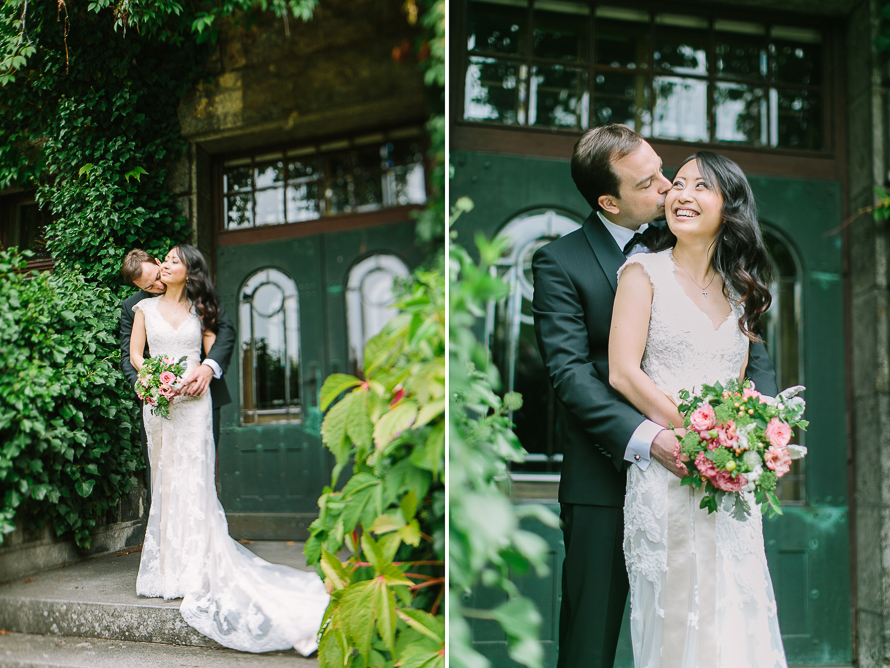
<point>635,240</point>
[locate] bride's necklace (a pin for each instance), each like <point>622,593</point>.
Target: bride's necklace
<point>704,290</point>
<point>176,309</point>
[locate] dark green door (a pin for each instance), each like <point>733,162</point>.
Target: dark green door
<point>290,301</point>
<point>272,463</point>
<point>809,547</point>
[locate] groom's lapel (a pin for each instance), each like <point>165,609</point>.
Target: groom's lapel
<point>604,247</point>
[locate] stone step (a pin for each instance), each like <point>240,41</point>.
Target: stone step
<point>32,651</point>
<point>97,598</point>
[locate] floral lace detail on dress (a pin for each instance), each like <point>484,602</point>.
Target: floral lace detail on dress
<point>229,594</point>
<point>684,351</point>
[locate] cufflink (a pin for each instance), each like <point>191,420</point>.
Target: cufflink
<point>637,457</point>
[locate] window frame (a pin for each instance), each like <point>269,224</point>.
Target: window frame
<point>10,220</point>
<point>322,224</point>
<point>549,142</point>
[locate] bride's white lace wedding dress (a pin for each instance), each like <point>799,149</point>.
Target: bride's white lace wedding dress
<point>228,593</point>
<point>701,593</point>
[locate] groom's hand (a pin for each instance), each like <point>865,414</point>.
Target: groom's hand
<point>196,381</point>
<point>662,450</point>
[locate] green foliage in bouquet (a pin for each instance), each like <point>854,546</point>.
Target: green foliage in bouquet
<point>67,448</point>
<point>486,544</point>
<point>389,429</point>
<point>734,444</point>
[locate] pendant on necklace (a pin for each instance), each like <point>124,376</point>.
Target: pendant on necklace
<point>704,292</point>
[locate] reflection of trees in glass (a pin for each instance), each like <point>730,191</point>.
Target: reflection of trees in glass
<point>306,184</point>
<point>272,377</point>
<point>674,76</point>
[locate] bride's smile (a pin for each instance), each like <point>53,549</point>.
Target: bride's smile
<point>693,206</point>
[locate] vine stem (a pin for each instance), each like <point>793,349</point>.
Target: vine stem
<point>436,581</point>
<point>848,221</point>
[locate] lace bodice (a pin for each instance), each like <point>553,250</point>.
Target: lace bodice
<point>683,350</point>
<point>164,339</point>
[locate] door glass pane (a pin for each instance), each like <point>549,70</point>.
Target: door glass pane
<point>782,325</point>
<point>561,32</point>
<point>797,55</point>
<point>270,207</point>
<point>681,109</point>
<point>622,98</point>
<point>681,44</point>
<point>239,211</point>
<point>740,113</point>
<point>540,423</point>
<point>270,352</point>
<point>559,97</point>
<point>369,302</point>
<point>796,118</point>
<point>498,27</point>
<point>741,49</point>
<point>492,91</point>
<point>622,37</point>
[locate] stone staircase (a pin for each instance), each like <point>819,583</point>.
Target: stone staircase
<point>88,615</point>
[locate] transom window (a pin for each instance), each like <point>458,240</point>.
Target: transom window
<point>351,176</point>
<point>575,65</point>
<point>270,349</point>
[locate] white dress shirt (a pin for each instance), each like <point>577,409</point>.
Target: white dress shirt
<point>640,443</point>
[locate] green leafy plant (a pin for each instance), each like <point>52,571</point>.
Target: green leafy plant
<point>389,428</point>
<point>67,438</point>
<point>487,546</point>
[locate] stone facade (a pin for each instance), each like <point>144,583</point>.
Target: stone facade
<point>279,83</point>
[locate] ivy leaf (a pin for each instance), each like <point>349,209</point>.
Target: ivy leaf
<point>334,571</point>
<point>334,385</point>
<point>394,422</point>
<point>84,487</point>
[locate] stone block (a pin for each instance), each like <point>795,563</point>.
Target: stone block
<point>869,570</point>
<point>870,639</point>
<point>178,176</point>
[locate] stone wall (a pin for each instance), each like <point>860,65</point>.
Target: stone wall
<point>26,552</point>
<point>868,301</point>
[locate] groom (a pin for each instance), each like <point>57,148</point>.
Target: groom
<point>144,271</point>
<point>575,277</point>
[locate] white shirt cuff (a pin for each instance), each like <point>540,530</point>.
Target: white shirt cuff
<point>217,371</point>
<point>640,444</point>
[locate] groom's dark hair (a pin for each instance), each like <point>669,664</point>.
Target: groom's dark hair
<point>131,267</point>
<point>593,159</point>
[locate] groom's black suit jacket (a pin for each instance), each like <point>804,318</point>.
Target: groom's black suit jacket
<point>220,352</point>
<point>575,279</point>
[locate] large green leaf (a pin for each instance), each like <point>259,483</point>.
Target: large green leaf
<point>394,423</point>
<point>334,385</point>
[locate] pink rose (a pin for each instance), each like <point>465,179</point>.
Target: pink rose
<point>705,466</point>
<point>778,433</point>
<point>167,391</point>
<point>727,483</point>
<point>750,392</point>
<point>167,360</point>
<point>703,418</point>
<point>678,457</point>
<point>168,377</point>
<point>778,460</point>
<point>727,435</point>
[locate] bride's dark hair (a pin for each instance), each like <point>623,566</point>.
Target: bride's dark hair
<point>199,288</point>
<point>740,254</point>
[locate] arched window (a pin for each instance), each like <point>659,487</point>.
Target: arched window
<point>782,329</point>
<point>270,349</point>
<point>510,334</point>
<point>369,301</point>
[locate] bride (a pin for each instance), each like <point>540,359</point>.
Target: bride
<point>701,594</point>
<point>228,594</point>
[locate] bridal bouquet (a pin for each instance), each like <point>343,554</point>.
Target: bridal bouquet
<point>160,378</point>
<point>737,440</point>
